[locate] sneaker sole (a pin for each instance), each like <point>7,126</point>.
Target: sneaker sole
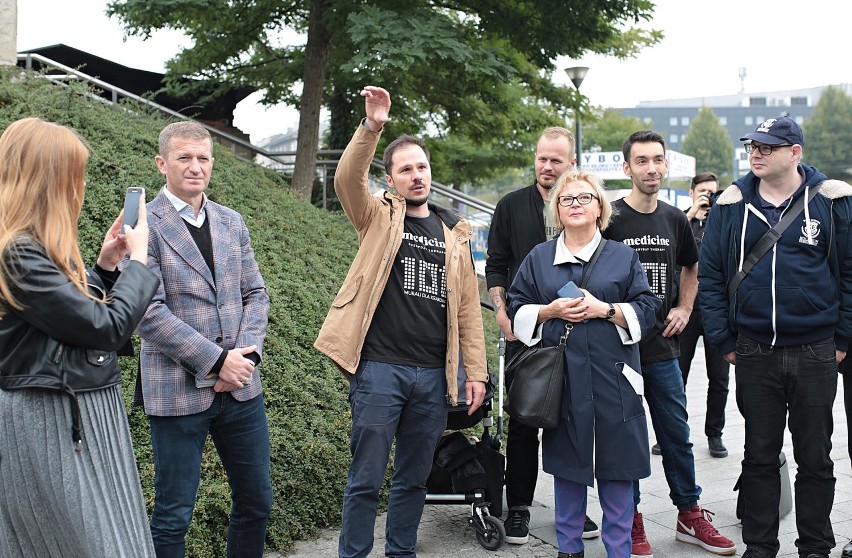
<point>517,540</point>
<point>592,534</point>
<point>718,454</point>
<point>641,556</point>
<point>683,537</point>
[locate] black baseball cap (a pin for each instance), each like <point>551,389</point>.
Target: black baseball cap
<point>777,131</point>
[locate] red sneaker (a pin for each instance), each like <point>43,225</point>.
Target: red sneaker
<point>694,527</point>
<point>641,547</point>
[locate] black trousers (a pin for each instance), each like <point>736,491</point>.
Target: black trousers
<point>521,452</point>
<point>793,386</point>
<point>718,372</point>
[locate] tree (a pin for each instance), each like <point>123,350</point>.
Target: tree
<point>468,70</point>
<point>708,142</point>
<point>828,134</point>
<point>610,130</point>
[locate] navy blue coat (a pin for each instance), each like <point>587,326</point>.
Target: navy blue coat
<point>603,433</point>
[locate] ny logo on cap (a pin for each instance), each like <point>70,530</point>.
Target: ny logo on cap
<point>766,125</point>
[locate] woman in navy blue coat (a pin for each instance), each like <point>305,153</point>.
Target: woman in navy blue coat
<point>603,434</point>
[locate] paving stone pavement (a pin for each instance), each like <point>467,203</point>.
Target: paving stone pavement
<point>444,532</point>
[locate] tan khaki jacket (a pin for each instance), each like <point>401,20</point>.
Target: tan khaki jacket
<point>379,224</point>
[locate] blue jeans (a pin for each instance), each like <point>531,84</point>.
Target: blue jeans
<point>390,401</point>
<point>241,436</point>
<point>795,385</point>
<point>667,402</point>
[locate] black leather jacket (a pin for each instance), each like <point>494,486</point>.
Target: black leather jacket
<point>63,340</point>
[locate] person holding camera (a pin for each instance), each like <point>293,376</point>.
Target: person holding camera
<point>704,189</point>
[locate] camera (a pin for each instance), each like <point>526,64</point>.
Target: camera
<point>712,197</point>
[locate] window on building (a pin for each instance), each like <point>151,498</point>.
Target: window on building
<point>684,121</point>
<point>673,138</point>
<point>798,101</point>
<point>757,101</point>
<point>723,121</point>
<point>648,120</point>
<point>749,121</point>
<point>673,121</point>
<point>799,120</point>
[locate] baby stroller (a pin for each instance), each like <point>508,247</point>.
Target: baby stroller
<point>467,470</point>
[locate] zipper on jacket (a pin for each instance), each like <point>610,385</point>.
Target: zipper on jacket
<point>57,356</point>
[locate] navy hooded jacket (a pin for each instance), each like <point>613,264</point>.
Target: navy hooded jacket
<point>800,292</point>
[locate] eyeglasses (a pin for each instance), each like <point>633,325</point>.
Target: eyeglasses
<point>764,149</point>
<point>582,199</point>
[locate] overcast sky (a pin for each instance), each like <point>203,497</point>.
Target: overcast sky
<point>782,44</point>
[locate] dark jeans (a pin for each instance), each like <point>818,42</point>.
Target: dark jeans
<point>521,452</point>
<point>390,402</point>
<point>718,371</point>
<point>241,436</point>
<point>667,403</point>
<point>772,383</point>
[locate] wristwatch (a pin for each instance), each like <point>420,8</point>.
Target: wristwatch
<point>610,314</point>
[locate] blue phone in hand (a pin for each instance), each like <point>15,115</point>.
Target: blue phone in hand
<point>570,290</point>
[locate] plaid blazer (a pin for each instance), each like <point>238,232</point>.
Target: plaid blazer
<point>193,316</point>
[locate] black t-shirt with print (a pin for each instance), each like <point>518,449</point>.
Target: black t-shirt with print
<point>410,323</point>
<point>664,241</point>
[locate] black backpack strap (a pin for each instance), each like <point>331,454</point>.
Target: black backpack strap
<point>768,240</point>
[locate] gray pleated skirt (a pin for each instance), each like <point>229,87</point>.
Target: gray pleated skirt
<point>58,502</point>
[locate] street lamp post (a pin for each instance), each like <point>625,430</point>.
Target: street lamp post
<point>577,74</point>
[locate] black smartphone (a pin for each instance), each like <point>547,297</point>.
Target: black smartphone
<point>131,206</point>
<point>570,290</point>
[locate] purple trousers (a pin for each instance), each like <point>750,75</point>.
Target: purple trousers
<point>616,497</point>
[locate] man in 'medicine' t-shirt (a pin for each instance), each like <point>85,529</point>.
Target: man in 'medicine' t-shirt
<point>662,237</point>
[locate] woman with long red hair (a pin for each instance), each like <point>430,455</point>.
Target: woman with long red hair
<point>68,481</point>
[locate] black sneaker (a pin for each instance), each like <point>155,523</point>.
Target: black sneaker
<point>590,529</point>
<point>518,526</point>
<point>847,551</point>
<point>717,448</point>
<point>655,449</point>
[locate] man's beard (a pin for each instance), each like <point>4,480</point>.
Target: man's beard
<point>416,203</point>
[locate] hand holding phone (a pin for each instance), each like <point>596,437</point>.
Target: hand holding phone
<point>570,290</point>
<point>131,206</point>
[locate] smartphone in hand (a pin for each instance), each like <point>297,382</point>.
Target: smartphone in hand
<point>131,206</point>
<point>570,290</point>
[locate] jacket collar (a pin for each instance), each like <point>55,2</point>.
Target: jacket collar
<point>173,231</point>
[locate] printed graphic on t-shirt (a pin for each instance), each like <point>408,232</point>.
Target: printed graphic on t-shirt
<point>550,229</point>
<point>424,275</point>
<point>410,323</point>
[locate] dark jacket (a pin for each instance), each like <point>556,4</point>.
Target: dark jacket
<point>800,292</point>
<point>63,340</point>
<point>517,226</point>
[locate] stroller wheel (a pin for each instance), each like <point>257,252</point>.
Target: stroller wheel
<point>494,535</point>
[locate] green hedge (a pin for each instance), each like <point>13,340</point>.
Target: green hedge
<point>303,253</point>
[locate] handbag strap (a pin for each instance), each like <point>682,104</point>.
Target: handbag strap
<point>591,264</point>
<point>768,240</point>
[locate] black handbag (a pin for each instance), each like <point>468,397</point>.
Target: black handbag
<point>535,397</point>
<point>538,376</point>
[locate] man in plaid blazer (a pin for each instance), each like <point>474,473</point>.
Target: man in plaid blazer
<point>202,341</point>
